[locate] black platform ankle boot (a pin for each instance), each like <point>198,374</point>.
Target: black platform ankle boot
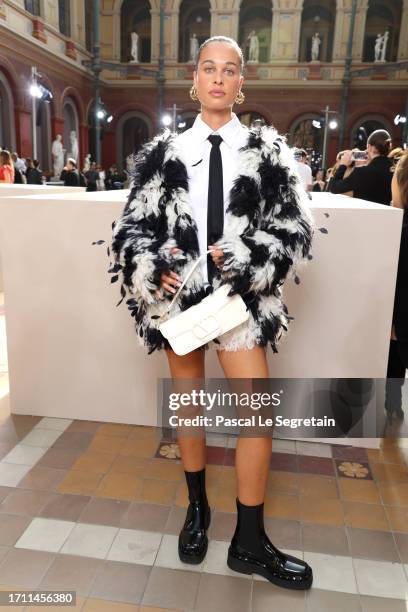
<point>193,541</point>
<point>251,552</point>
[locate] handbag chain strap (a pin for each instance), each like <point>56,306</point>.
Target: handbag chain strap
<point>193,267</point>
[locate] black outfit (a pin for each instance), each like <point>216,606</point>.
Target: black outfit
<point>371,182</point>
<point>73,178</point>
<point>34,177</point>
<point>398,355</point>
<point>18,177</point>
<point>91,178</point>
<point>316,187</point>
<point>28,173</point>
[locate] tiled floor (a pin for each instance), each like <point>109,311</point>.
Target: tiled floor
<point>97,508</point>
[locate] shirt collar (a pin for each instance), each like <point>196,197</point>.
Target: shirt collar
<point>228,132</point>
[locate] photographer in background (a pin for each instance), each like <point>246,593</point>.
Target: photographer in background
<point>372,175</point>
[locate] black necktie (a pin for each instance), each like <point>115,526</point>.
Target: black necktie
<point>215,206</point>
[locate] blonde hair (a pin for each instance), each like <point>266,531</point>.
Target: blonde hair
<point>401,174</point>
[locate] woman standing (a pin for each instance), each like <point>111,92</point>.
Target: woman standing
<point>6,167</point>
<point>398,354</point>
<point>236,191</point>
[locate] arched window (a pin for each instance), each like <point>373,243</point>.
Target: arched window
<point>64,12</point>
<point>304,135</point>
<point>256,15</point>
<point>89,25</point>
<point>317,17</point>
<point>382,16</point>
<point>33,7</point>
<point>252,119</point>
<point>133,130</point>
<point>71,124</point>
<point>195,18</point>
<point>135,17</point>
<point>7,133</point>
<point>365,127</point>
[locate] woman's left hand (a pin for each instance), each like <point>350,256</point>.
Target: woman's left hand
<point>217,255</point>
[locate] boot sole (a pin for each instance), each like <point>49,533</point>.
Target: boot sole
<point>250,568</point>
<point>196,559</point>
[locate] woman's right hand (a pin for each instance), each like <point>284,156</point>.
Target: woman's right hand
<point>170,280</point>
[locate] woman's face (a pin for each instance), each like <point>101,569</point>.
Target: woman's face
<point>396,193</point>
<point>319,175</point>
<point>218,77</point>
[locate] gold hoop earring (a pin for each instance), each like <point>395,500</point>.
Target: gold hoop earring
<point>240,97</point>
<point>193,93</point>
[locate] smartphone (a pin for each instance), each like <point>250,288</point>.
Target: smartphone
<point>360,155</point>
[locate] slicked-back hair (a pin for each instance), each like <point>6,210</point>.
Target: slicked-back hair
<point>222,39</point>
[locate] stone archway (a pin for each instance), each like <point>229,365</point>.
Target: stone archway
<point>317,16</point>
<point>365,126</point>
<point>133,129</point>
<point>71,124</point>
<point>7,125</point>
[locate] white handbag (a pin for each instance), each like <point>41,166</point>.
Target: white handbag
<point>213,316</point>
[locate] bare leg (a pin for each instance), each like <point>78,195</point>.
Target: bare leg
<point>185,369</point>
<point>252,457</point>
<point>188,373</point>
<point>250,550</point>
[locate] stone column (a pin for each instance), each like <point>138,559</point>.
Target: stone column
<point>50,13</point>
<point>170,30</point>
<point>78,22</point>
<point>286,24</point>
<point>403,40</point>
<point>341,34</point>
<point>225,19</point>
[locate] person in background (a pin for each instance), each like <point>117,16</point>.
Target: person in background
<point>6,167</point>
<point>396,155</point>
<point>91,176</point>
<point>319,184</point>
<point>372,181</point>
<point>101,180</point>
<point>117,178</point>
<point>19,163</point>
<point>398,354</point>
<point>71,176</point>
<point>304,169</point>
<point>36,176</point>
<point>18,176</point>
<point>29,168</point>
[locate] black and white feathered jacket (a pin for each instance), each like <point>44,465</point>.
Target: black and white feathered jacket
<point>268,231</point>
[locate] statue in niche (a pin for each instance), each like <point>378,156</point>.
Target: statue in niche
<point>57,152</point>
<point>134,52</point>
<point>253,47</point>
<point>194,46</point>
<point>74,146</point>
<point>384,45</point>
<point>378,48</point>
<point>316,42</point>
<point>87,163</point>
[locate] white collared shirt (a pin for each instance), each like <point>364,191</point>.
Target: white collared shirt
<point>196,149</point>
